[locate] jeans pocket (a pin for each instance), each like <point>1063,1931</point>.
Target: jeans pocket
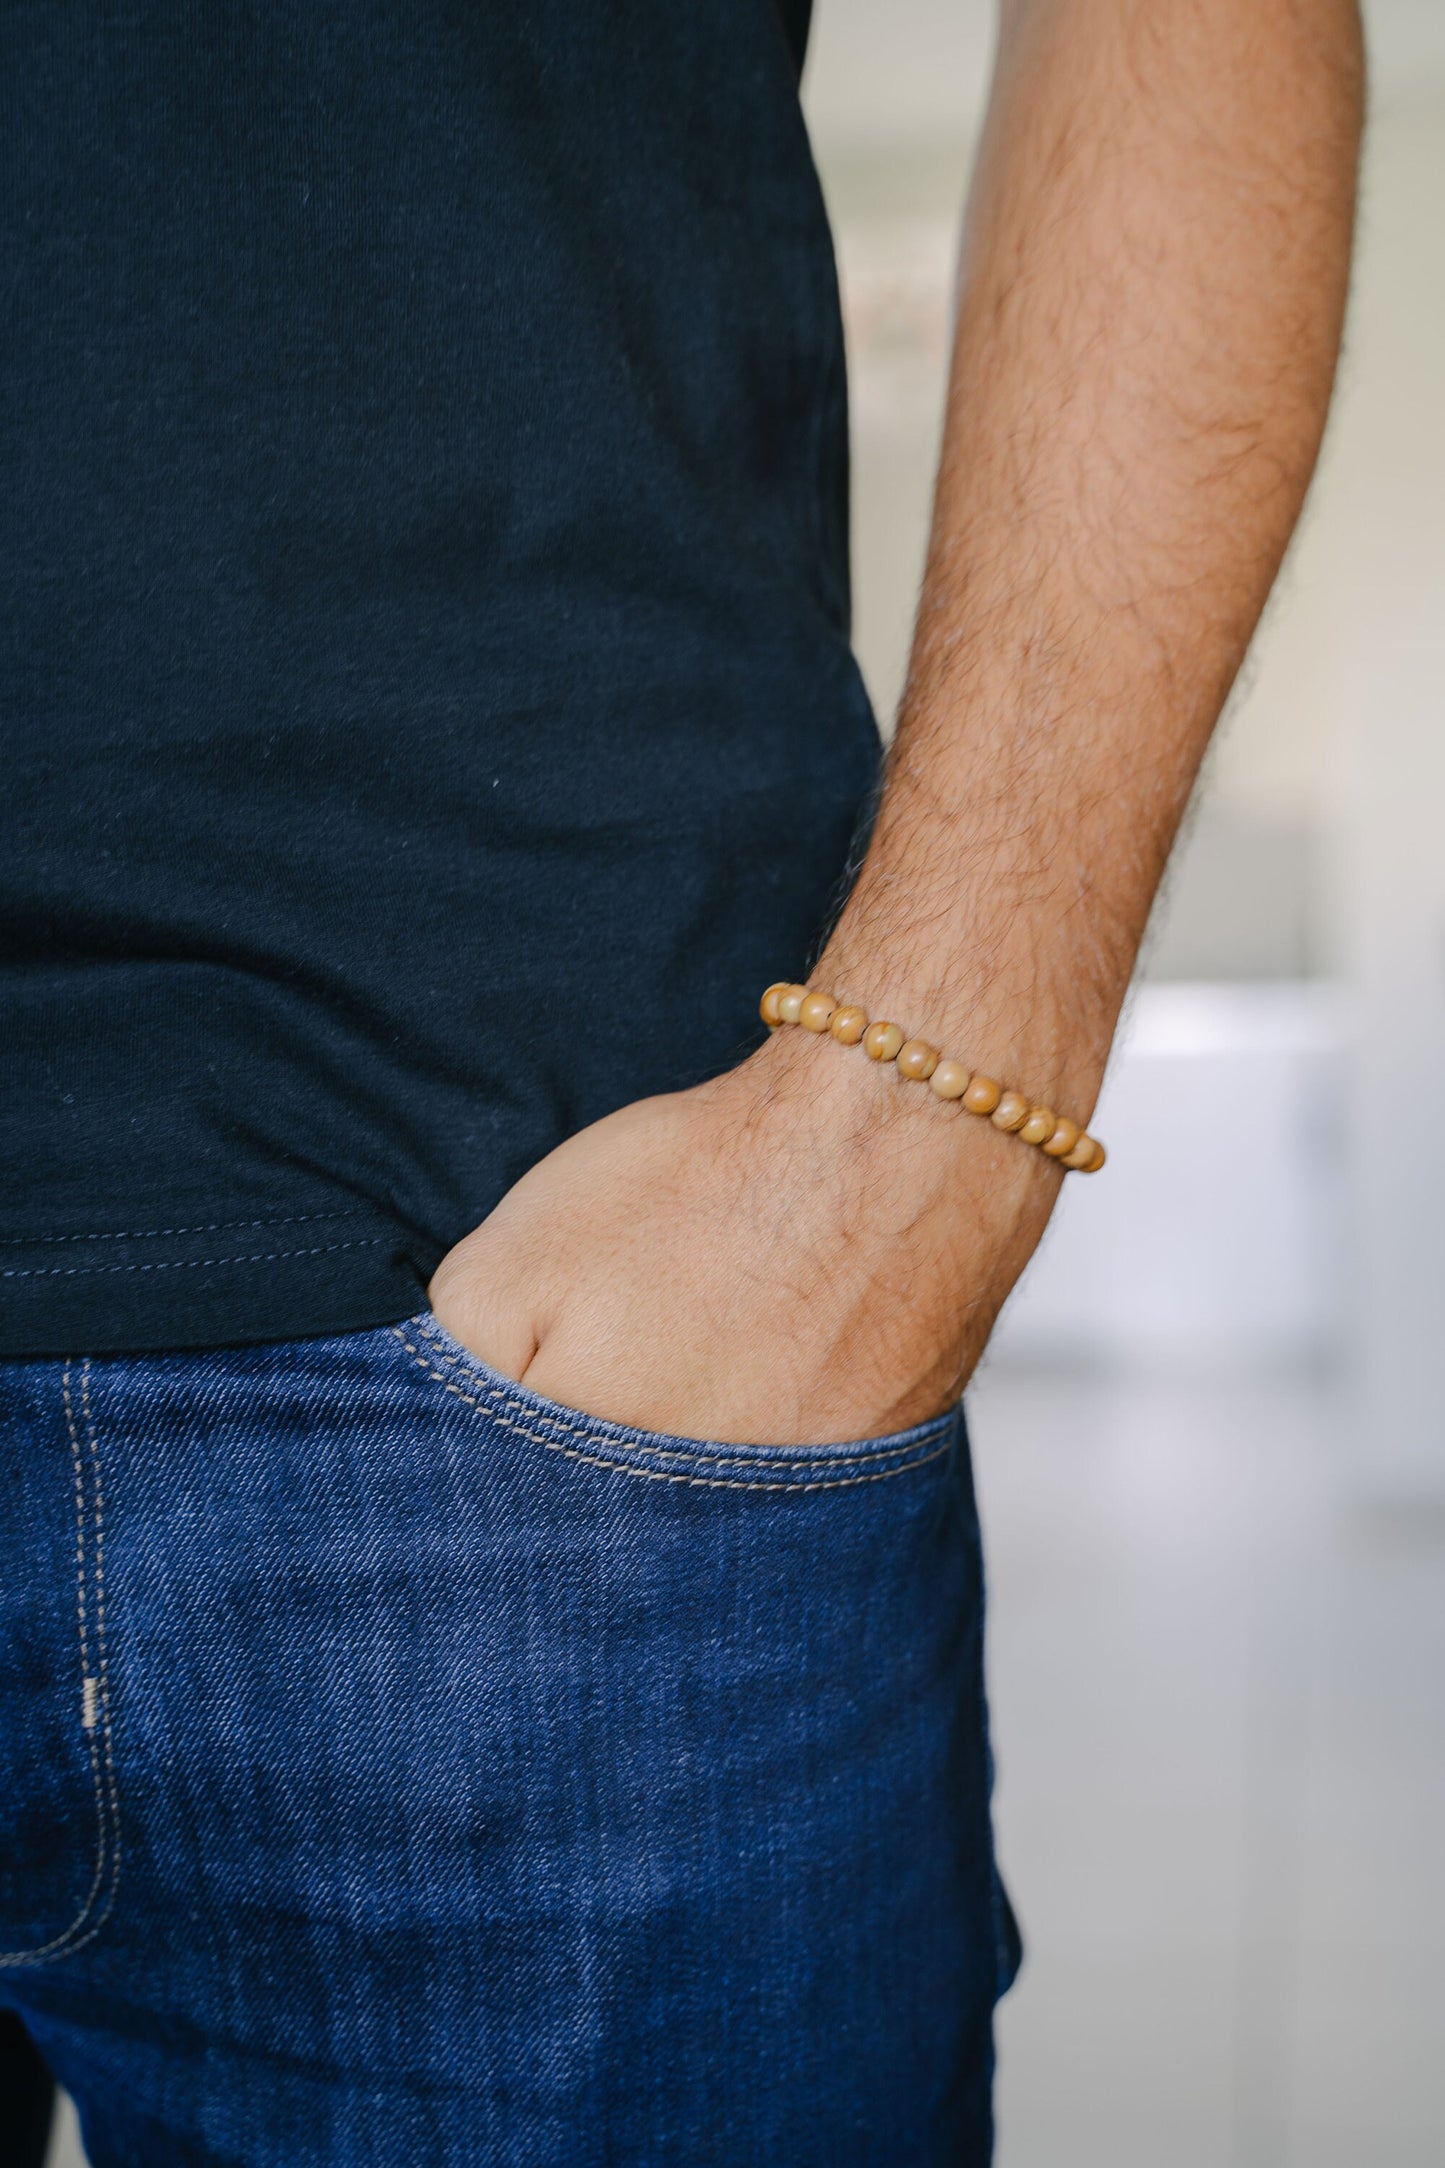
<point>591,1441</point>
<point>731,1697</point>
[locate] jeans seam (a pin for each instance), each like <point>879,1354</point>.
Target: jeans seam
<point>95,1709</point>
<point>487,1407</point>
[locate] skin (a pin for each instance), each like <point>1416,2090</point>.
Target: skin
<point>1152,287</point>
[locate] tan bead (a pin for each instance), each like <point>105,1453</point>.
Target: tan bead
<point>881,1042</point>
<point>768,1008</point>
<point>950,1079</point>
<point>1011,1112</point>
<point>816,1012</point>
<point>1039,1127</point>
<point>848,1025</point>
<point>1097,1159</point>
<point>1064,1138</point>
<point>983,1095</point>
<point>1081,1154</point>
<point>917,1060</point>
<point>790,1003</point>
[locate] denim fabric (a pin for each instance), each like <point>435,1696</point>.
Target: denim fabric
<point>396,1767</point>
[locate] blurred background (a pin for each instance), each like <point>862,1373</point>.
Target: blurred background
<point>1211,1433</point>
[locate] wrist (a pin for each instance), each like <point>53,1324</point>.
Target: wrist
<point>874,1148</point>
<point>1011,1013</point>
<point>893,1195</point>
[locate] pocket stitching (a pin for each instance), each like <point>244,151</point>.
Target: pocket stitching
<point>107,1797</point>
<point>486,1407</point>
<point>718,1457</point>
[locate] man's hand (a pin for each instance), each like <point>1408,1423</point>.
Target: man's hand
<point>1151,295</point>
<point>806,1250</point>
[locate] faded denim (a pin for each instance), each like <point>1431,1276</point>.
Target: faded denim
<point>397,1767</point>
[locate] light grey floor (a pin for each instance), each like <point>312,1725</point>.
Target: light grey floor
<point>1219,1711</point>
<point>65,2145</point>
<point>1219,1708</point>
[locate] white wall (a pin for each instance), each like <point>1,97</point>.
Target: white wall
<point>1381,630</point>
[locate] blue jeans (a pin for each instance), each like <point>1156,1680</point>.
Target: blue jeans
<point>397,1767</point>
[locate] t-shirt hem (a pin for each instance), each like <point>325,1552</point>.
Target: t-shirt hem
<point>229,1281</point>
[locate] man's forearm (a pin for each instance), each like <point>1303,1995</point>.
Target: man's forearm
<point>1152,286</point>
<point>808,1247</point>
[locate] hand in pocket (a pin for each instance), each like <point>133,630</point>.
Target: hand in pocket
<point>803,1251</point>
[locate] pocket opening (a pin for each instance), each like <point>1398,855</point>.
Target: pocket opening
<point>517,1407</point>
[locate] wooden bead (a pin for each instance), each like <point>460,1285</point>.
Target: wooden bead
<point>881,1042</point>
<point>1011,1112</point>
<point>917,1060</point>
<point>950,1079</point>
<point>921,1063</point>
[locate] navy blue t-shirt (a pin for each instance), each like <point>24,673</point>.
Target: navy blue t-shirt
<point>426,704</point>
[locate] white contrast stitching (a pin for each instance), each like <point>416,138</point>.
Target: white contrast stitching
<point>496,1397</point>
<point>107,1803</point>
<point>657,1475</point>
<point>102,1648</point>
<point>186,1264</point>
<point>154,1234</point>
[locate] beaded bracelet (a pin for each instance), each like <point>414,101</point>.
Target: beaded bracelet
<point>1054,1134</point>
